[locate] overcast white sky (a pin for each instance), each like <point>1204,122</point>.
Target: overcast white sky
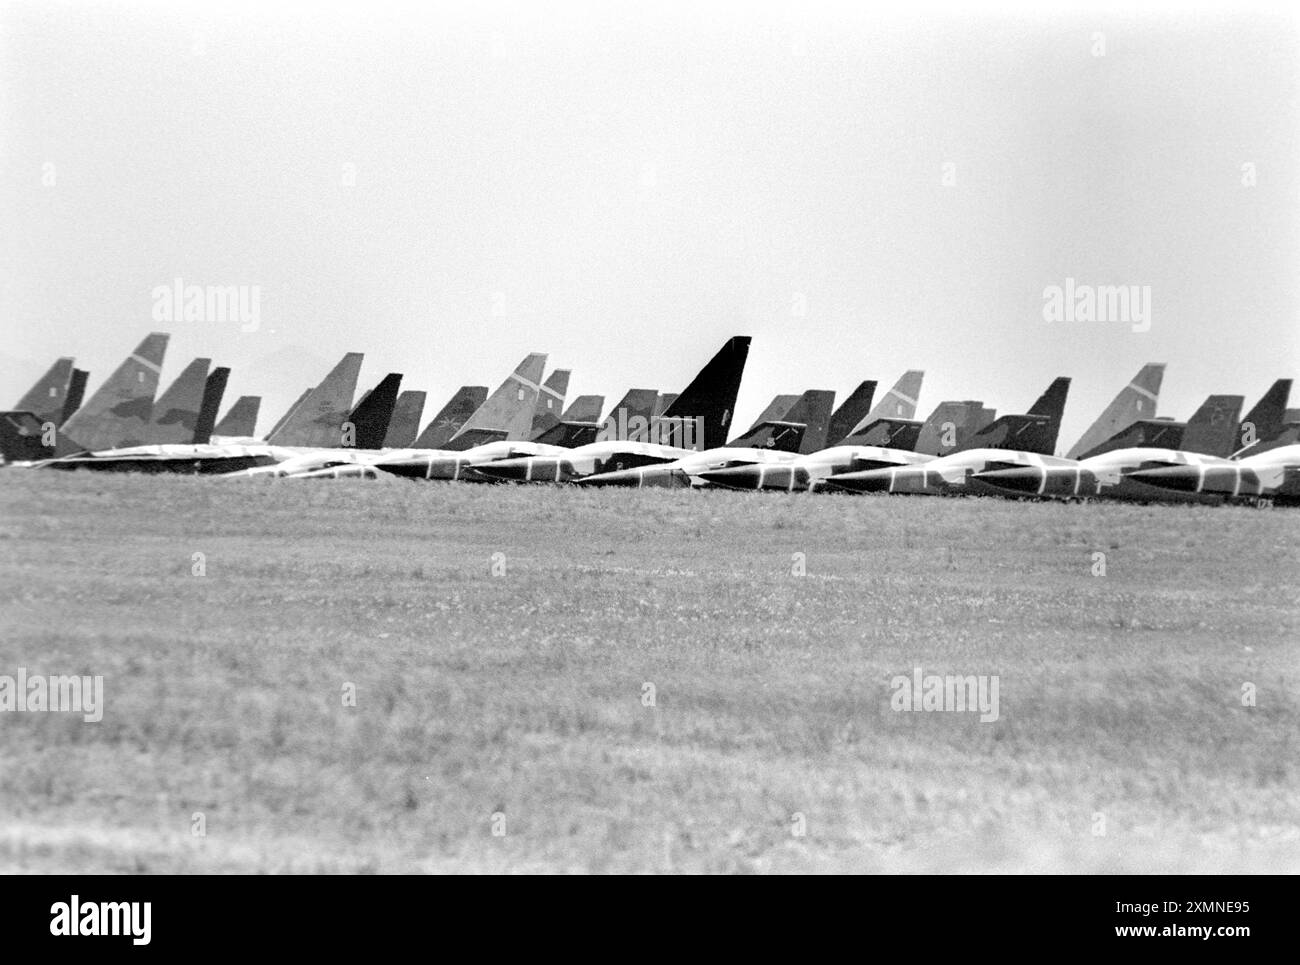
<point>625,188</point>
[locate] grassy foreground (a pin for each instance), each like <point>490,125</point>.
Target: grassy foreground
<point>501,721</point>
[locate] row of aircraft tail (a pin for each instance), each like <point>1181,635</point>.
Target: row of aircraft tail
<point>523,432</point>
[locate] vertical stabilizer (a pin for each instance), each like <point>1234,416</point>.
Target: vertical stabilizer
<point>76,393</point>
<point>47,398</point>
<point>710,399</point>
<point>241,420</point>
<point>451,417</point>
<point>1135,401</point>
<point>214,387</point>
<point>850,413</point>
<point>405,423</point>
<point>508,412</point>
<point>370,417</point>
<point>1212,429</point>
<point>176,413</point>
<point>119,411</point>
<point>550,402</point>
<point>317,422</point>
<point>813,412</point>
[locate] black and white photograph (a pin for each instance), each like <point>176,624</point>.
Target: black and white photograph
<point>704,438</point>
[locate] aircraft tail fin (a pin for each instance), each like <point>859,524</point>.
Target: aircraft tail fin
<point>288,413</point>
<point>951,425</point>
<point>1052,402</point>
<point>711,397</point>
<point>1025,432</point>
<point>176,412</point>
<point>898,403</point>
<point>508,412</point>
<point>369,418</point>
<point>1135,401</point>
<point>664,401</point>
<point>850,413</point>
<point>214,387</point>
<point>632,417</point>
<point>1033,431</point>
<point>48,397</point>
<point>585,408</point>
<point>405,423</point>
<point>451,417</point>
<point>1266,418</point>
<point>118,412</point>
<point>318,420</point>
<point>813,410</point>
<point>76,393</point>
<point>1212,429</point>
<point>241,420</point>
<point>550,402</point>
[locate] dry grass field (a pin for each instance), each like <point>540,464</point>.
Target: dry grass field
<point>499,722</point>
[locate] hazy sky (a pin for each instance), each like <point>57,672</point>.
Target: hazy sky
<point>449,188</point>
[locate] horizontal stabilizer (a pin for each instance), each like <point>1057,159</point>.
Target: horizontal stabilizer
<point>777,436</point>
<point>887,434</point>
<point>570,435</point>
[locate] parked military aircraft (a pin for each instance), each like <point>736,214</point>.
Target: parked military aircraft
<point>769,442</point>
<point>711,395</point>
<point>1007,441</point>
<point>1272,475</point>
